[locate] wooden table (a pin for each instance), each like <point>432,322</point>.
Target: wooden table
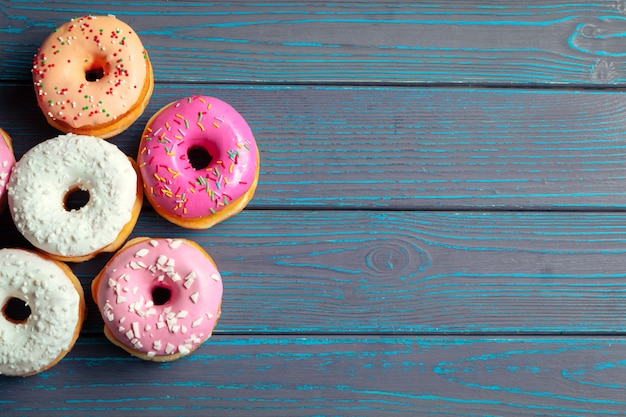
<point>439,227</point>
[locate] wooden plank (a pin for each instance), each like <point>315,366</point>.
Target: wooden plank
<point>358,376</point>
<point>453,149</point>
<point>397,272</point>
<point>537,42</point>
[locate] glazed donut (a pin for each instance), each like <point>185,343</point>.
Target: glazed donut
<point>7,161</point>
<point>46,177</point>
<point>199,162</point>
<point>43,308</point>
<point>159,298</point>
<point>92,76</point>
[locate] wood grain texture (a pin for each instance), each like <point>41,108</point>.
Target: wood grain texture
<point>439,227</point>
<point>411,149</point>
<point>410,272</point>
<point>322,376</point>
<point>464,42</point>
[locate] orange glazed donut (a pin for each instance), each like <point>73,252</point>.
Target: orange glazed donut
<point>92,77</point>
<point>199,162</point>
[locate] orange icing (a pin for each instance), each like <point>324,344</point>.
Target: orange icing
<point>90,71</point>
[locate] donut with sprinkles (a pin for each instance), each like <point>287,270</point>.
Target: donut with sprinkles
<point>159,298</point>
<point>7,161</point>
<point>199,162</point>
<point>92,76</point>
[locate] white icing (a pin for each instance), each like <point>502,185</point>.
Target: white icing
<point>47,172</point>
<point>55,307</point>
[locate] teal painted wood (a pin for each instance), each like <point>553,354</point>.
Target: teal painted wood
<point>402,230</point>
<point>349,272</point>
<point>536,42</point>
<point>347,376</point>
<point>452,149</point>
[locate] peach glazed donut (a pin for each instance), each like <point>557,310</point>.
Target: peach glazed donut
<point>159,298</point>
<point>92,76</point>
<point>43,189</point>
<point>43,308</point>
<point>199,162</point>
<point>7,161</point>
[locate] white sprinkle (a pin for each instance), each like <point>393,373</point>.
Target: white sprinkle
<point>136,331</point>
<point>130,334</point>
<point>215,277</point>
<point>147,328</point>
<point>154,243</point>
<point>183,349</point>
<point>175,277</point>
<point>151,354</point>
<point>183,329</point>
<point>170,348</point>
<point>134,265</point>
<point>175,243</point>
<point>197,322</point>
<point>182,314</point>
<point>121,299</point>
<point>141,253</point>
<point>162,259</point>
<point>209,315</point>
<point>112,283</point>
<point>157,345</point>
<point>188,283</point>
<point>194,297</point>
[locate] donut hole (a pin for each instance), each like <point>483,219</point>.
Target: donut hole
<point>94,74</point>
<point>161,295</point>
<point>16,310</point>
<point>75,199</point>
<point>96,68</point>
<point>199,157</point>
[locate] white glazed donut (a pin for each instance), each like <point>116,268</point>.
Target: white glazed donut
<point>51,171</point>
<point>56,302</point>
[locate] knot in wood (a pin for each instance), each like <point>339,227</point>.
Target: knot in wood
<point>395,259</point>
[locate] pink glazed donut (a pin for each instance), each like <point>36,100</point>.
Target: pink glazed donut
<point>159,298</point>
<point>7,161</point>
<point>199,162</point>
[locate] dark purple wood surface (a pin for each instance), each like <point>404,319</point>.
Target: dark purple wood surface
<point>439,227</point>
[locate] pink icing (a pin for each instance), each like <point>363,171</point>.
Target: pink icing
<point>7,161</point>
<point>171,182</point>
<point>125,297</point>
